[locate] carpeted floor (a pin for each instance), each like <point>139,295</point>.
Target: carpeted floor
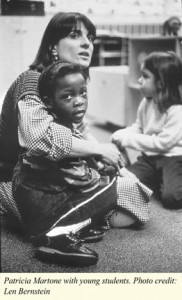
<point>154,249</point>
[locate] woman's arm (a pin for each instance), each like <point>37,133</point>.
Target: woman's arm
<point>38,133</point>
<point>41,135</point>
<point>106,152</point>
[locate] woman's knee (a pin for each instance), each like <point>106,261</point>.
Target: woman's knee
<point>172,198</point>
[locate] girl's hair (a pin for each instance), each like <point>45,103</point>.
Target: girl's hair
<point>49,76</point>
<point>167,70</point>
<point>58,28</point>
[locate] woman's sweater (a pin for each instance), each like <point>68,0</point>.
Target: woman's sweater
<point>25,87</point>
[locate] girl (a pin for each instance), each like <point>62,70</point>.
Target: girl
<point>157,132</point>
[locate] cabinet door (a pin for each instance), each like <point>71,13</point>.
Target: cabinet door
<point>10,50</point>
<point>20,39</point>
<point>32,29</point>
<point>107,92</point>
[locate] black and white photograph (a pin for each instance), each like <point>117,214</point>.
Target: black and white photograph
<point>90,142</point>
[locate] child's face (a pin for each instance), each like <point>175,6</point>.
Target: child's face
<point>147,83</point>
<point>70,98</point>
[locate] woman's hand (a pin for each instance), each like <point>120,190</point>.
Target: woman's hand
<point>106,152</point>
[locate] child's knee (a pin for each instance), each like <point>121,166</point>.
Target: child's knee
<point>172,199</point>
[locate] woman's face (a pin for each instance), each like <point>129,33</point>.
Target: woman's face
<point>77,47</point>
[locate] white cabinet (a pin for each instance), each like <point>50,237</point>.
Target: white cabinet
<point>107,93</point>
<point>19,38</point>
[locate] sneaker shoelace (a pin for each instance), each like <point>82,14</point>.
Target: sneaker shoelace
<point>74,239</point>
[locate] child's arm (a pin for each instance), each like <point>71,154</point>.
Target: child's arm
<point>136,127</point>
<point>167,137</point>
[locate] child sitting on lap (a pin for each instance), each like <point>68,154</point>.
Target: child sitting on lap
<point>59,199</point>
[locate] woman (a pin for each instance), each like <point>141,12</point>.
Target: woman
<point>58,42</point>
<point>68,37</point>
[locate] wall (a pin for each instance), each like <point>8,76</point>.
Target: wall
<point>119,11</point>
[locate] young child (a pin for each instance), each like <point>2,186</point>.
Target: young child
<point>60,199</point>
<point>157,132</point>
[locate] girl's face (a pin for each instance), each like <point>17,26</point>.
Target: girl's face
<point>77,47</point>
<point>147,83</point>
<point>70,98</point>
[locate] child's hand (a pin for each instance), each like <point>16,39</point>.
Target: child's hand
<point>125,173</point>
<point>100,165</point>
<point>117,135</point>
<point>105,169</point>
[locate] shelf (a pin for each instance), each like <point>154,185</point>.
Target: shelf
<point>110,54</point>
<point>140,47</point>
<point>152,37</point>
<point>110,49</point>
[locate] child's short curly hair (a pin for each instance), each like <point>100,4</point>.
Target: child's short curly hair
<point>48,78</point>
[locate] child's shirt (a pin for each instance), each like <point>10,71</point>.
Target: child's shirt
<point>154,133</point>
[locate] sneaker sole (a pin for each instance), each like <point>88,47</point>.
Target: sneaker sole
<point>58,257</point>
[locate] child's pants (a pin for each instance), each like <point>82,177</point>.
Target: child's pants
<point>162,172</point>
<point>131,197</point>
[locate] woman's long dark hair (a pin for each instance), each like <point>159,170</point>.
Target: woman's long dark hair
<point>58,28</point>
<point>167,70</point>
